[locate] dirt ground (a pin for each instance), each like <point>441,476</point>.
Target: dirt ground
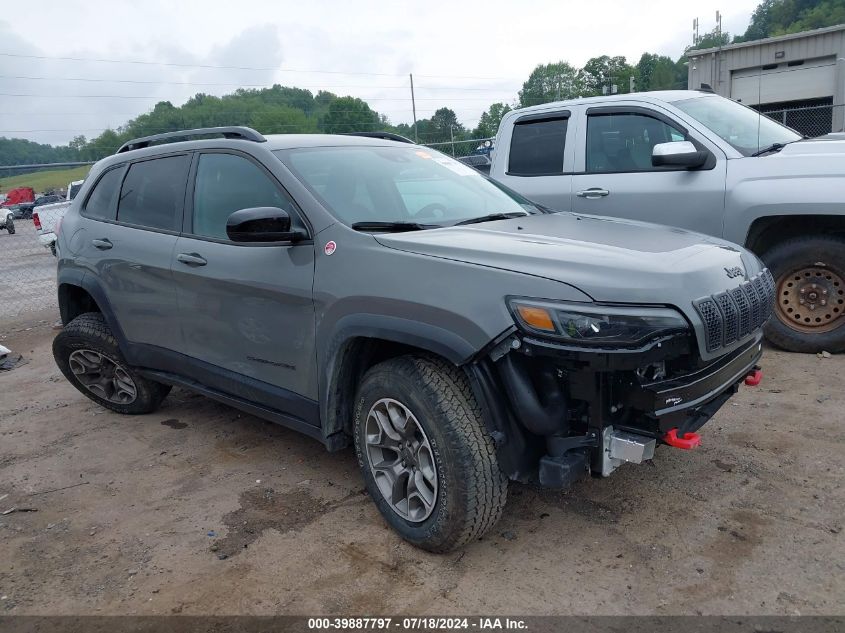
<point>200,509</point>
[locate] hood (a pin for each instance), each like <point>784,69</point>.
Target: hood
<point>610,260</point>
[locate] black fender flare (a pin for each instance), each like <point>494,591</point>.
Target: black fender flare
<point>425,336</point>
<point>91,285</point>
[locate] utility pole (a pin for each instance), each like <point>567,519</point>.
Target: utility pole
<point>452,136</point>
<point>414,107</point>
<point>631,84</point>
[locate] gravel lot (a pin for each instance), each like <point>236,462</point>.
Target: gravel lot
<point>199,509</point>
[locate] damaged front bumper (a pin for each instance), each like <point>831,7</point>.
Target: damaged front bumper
<point>570,410</point>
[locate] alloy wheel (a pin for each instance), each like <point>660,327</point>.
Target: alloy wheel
<point>401,460</point>
<point>102,376</point>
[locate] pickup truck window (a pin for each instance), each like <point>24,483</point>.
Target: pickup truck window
<point>624,142</point>
<point>537,147</point>
<point>102,201</point>
<point>153,193</point>
<point>745,129</point>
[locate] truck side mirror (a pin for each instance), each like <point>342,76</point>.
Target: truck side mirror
<point>678,154</point>
<point>261,224</point>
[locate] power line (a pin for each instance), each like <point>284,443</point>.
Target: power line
<point>222,67</point>
<point>243,85</point>
<point>66,96</point>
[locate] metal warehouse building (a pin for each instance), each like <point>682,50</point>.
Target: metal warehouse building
<point>798,79</point>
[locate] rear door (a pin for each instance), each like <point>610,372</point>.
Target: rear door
<point>246,308</point>
<point>615,177</point>
<point>540,156</point>
<point>129,240</point>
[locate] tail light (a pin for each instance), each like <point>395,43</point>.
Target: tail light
<point>36,221</point>
<point>58,226</point>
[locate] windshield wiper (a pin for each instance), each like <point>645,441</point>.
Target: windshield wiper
<point>774,147</point>
<point>392,227</point>
<point>491,217</point>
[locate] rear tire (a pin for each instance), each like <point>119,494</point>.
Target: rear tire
<point>807,272</point>
<point>90,359</point>
<point>465,487</point>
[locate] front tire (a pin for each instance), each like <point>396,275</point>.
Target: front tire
<point>427,461</point>
<point>90,359</point>
<point>10,225</point>
<point>809,275</point>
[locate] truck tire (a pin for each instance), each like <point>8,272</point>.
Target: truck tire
<point>809,313</point>
<point>10,225</point>
<point>427,461</point>
<point>90,359</point>
<point>53,248</point>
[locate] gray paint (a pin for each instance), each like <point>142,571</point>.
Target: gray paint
<point>279,313</point>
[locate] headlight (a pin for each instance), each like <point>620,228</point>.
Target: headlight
<point>594,324</point>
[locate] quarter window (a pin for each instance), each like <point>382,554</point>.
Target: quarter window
<point>537,147</point>
<point>227,183</point>
<point>103,199</point>
<point>624,142</point>
<point>153,193</point>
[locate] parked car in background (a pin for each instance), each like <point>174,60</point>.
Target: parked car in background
<point>24,211</point>
<point>380,294</point>
<point>7,220</point>
<point>17,198</point>
<point>698,161</point>
<point>47,217</point>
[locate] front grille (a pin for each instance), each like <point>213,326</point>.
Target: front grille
<point>734,314</point>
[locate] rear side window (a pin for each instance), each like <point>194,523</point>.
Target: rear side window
<point>102,202</point>
<point>153,193</point>
<point>227,183</point>
<point>537,147</point>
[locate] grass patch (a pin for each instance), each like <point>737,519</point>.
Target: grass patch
<point>43,181</point>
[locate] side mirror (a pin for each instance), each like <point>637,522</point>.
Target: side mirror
<point>678,154</point>
<point>261,224</point>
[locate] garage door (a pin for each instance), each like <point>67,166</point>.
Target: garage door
<point>795,81</point>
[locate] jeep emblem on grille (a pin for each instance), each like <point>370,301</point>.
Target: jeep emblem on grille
<point>736,271</point>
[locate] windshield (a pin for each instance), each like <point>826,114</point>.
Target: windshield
<point>399,184</point>
<point>745,129</point>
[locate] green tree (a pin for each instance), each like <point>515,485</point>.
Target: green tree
<point>349,114</point>
<point>488,124</point>
<point>658,72</point>
<point>551,82</point>
<point>601,73</point>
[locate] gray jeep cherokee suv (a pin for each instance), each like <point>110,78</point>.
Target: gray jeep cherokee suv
<point>378,293</point>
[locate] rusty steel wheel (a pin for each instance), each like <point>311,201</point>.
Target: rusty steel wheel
<point>811,300</point>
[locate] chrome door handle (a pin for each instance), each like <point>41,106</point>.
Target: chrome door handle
<point>593,193</point>
<point>191,259</point>
<point>102,244</point>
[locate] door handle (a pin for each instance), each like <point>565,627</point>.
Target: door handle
<point>103,244</point>
<point>593,193</point>
<point>191,259</point>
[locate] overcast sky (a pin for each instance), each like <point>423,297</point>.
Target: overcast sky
<point>464,54</point>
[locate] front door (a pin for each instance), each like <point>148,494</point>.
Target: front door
<point>246,308</point>
<point>617,178</point>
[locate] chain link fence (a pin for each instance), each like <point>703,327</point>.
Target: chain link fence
<point>27,279</point>
<point>808,120</point>
<point>469,147</point>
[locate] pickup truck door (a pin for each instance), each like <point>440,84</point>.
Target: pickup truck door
<point>246,308</point>
<point>540,156</point>
<point>614,175</point>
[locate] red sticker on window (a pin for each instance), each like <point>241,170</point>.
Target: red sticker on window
<point>330,248</point>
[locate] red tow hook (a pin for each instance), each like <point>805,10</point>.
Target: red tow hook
<point>754,377</point>
<point>686,442</point>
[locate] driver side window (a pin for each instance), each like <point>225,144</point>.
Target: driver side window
<point>623,142</point>
<point>226,183</point>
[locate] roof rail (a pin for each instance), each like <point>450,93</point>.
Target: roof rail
<point>387,136</point>
<point>239,132</point>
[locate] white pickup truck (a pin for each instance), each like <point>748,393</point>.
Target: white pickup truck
<point>48,215</point>
<point>697,161</point>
